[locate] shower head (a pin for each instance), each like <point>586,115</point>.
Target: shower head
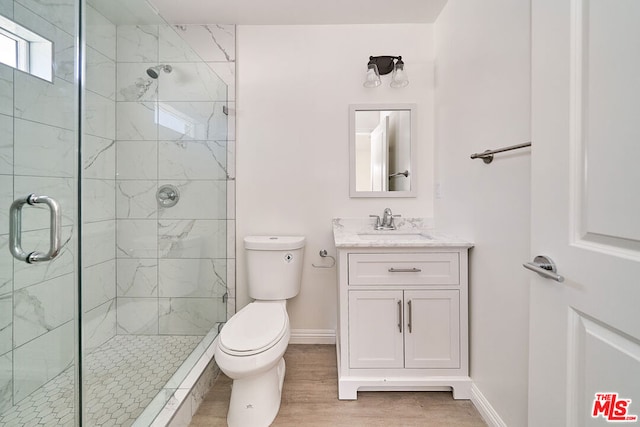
<point>154,72</point>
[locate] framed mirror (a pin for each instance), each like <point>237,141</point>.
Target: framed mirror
<point>382,150</point>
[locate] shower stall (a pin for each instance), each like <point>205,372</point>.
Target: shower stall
<point>116,187</point>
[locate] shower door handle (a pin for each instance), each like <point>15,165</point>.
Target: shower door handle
<point>15,229</point>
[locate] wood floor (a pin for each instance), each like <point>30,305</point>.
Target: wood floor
<point>310,398</point>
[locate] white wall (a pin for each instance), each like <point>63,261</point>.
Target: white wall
<point>295,84</point>
<point>483,101</point>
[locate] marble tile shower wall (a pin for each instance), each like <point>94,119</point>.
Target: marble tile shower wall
<point>99,182</point>
<point>216,45</point>
<point>37,146</point>
<point>173,264</point>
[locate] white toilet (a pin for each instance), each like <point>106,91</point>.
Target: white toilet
<point>251,344</point>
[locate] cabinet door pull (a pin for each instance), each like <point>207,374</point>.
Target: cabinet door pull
<point>410,317</point>
<point>400,316</point>
<point>404,270</point>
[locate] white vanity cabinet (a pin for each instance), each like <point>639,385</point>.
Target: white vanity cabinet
<point>403,318</point>
<point>404,329</point>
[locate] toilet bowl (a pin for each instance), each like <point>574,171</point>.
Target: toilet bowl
<point>249,351</point>
<point>251,345</point>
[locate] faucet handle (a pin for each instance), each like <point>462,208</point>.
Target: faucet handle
<point>378,223</point>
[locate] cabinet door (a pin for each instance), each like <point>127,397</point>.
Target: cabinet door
<point>375,329</point>
<point>432,332</point>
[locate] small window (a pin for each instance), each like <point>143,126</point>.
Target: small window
<point>8,50</point>
<point>24,50</point>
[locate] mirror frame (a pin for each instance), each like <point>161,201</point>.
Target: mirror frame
<point>412,108</point>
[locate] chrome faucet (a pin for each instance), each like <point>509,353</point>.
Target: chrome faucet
<point>387,222</point>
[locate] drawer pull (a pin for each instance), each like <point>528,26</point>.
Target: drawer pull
<point>400,316</point>
<point>405,270</point>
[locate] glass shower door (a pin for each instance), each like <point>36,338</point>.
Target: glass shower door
<point>154,273</point>
<point>38,213</point>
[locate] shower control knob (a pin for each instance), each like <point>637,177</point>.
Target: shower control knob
<point>168,196</point>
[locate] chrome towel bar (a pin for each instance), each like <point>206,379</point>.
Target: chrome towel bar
<point>487,156</point>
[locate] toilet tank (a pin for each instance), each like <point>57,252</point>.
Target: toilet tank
<point>274,266</point>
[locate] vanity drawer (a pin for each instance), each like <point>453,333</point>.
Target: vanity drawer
<point>437,268</point>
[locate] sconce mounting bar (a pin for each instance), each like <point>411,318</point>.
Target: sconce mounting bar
<point>384,63</point>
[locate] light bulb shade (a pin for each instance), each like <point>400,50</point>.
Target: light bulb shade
<point>399,77</point>
<point>372,78</point>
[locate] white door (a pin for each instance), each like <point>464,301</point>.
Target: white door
<point>585,331</point>
<point>379,156</point>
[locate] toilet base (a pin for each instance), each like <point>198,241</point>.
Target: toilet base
<point>255,401</point>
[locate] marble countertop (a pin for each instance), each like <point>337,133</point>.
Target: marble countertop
<point>410,232</point>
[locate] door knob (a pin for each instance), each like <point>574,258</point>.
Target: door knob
<point>544,266</point>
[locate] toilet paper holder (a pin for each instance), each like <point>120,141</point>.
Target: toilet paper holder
<point>323,253</point>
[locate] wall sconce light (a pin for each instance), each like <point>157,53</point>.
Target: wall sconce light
<point>381,65</point>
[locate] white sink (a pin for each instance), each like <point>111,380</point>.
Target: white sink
<point>393,235</point>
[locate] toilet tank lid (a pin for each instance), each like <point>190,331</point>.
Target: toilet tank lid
<point>274,243</point>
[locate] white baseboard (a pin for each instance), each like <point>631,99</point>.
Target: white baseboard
<point>489,415</point>
<point>313,336</point>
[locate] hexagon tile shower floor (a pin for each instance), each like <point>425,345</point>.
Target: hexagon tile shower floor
<point>123,376</point>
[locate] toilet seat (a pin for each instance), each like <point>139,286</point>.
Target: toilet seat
<point>254,329</point>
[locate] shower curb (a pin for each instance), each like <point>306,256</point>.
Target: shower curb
<point>185,400</point>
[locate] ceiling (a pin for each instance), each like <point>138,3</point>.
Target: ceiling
<point>298,12</point>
